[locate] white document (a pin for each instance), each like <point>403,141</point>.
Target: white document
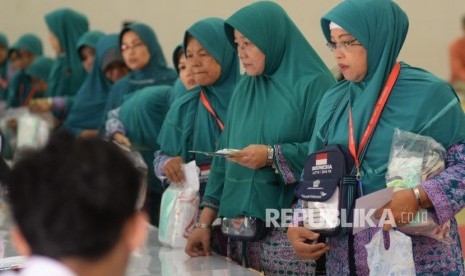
<point>368,205</point>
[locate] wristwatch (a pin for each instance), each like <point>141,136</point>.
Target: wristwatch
<point>202,225</point>
<point>269,157</point>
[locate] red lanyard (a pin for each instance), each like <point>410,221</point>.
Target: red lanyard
<point>31,95</point>
<point>207,105</point>
<point>374,117</point>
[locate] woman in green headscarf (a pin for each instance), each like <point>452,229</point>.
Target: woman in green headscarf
<point>188,124</point>
<point>86,47</point>
<point>39,71</point>
<point>144,57</point>
<point>185,79</point>
<point>37,74</point>
<point>270,119</point>
<point>65,28</point>
<point>3,67</point>
<point>366,37</point>
<point>28,48</point>
<point>86,113</point>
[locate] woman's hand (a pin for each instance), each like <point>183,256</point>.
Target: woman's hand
<point>12,124</point>
<point>403,207</point>
<point>173,171</point>
<point>121,139</point>
<point>89,133</point>
<point>198,243</point>
<point>302,241</point>
<point>252,156</point>
<point>40,105</point>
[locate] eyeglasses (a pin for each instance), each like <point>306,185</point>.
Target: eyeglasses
<point>345,45</point>
<point>125,47</point>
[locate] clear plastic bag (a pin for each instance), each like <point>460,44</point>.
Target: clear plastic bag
<point>179,208</point>
<point>413,159</point>
<point>33,130</point>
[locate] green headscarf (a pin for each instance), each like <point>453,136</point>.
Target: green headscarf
<point>4,69</point>
<point>67,73</point>
<point>188,124</point>
<point>40,68</point>
<point>154,73</point>
<point>178,86</point>
<point>3,40</point>
<point>30,43</point>
<point>178,90</point>
<point>178,51</point>
<point>419,101</point>
<point>87,110</point>
<point>21,86</point>
<point>89,39</point>
<point>142,116</point>
<point>276,108</point>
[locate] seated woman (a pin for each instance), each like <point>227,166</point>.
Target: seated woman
<point>65,28</point>
<point>4,65</point>
<point>20,90</point>
<point>143,55</point>
<point>86,48</point>
<point>87,112</point>
<point>185,79</point>
<point>38,73</point>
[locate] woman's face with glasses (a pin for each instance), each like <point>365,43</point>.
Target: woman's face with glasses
<point>350,55</point>
<point>135,53</point>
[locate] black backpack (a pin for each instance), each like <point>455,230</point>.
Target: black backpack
<point>328,189</point>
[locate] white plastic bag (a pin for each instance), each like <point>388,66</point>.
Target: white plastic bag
<point>179,208</point>
<point>33,130</point>
<point>397,259</point>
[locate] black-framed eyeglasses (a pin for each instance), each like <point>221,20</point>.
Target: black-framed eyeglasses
<point>345,45</point>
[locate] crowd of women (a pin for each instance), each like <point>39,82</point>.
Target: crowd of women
<point>285,106</point>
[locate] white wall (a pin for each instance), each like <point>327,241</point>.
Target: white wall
<point>433,23</point>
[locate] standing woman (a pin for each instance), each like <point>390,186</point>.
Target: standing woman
<point>366,37</point>
<point>270,118</point>
<point>189,125</point>
<point>86,113</point>
<point>65,28</point>
<point>144,57</point>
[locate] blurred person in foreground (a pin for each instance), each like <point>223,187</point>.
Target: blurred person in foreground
<point>73,204</point>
